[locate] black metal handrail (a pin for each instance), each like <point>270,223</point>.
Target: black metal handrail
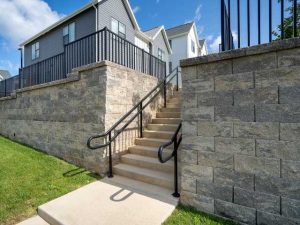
<point>111,135</point>
<point>175,140</point>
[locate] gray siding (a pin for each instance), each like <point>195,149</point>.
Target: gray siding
<point>159,42</point>
<point>51,43</point>
<point>115,9</point>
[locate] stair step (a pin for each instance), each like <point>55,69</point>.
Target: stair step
<point>148,151</point>
<point>168,115</point>
<point>151,142</point>
<point>158,134</point>
<point>166,120</point>
<point>145,175</point>
<point>174,101</point>
<point>171,110</point>
<point>173,105</point>
<point>147,162</point>
<point>162,127</point>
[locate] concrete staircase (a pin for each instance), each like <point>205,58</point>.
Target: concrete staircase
<point>141,163</point>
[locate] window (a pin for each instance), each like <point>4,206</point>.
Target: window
<point>118,28</point>
<point>161,54</point>
<point>69,33</point>
<point>193,46</point>
<point>35,51</point>
<point>170,42</point>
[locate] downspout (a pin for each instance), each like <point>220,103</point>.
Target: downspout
<point>95,4</point>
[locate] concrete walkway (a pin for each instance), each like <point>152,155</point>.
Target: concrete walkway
<point>109,202</point>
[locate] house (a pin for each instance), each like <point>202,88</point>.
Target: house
<point>4,74</point>
<point>116,15</point>
<point>203,47</point>
<point>184,42</point>
<point>159,43</point>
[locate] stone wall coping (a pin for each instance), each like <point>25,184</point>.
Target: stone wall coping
<point>242,52</point>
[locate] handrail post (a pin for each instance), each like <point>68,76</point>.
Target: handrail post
<point>110,172</point>
<point>177,79</point>
<point>165,93</point>
<point>5,88</point>
<point>176,192</point>
<point>141,120</point>
<point>222,25</point>
<point>105,43</point>
<point>143,61</point>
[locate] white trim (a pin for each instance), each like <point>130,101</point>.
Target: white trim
<point>162,29</point>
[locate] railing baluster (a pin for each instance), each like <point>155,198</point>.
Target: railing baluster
<point>222,25</point>
<point>141,119</point>
<point>176,193</point>
<point>239,23</point>
<point>295,17</point>
<point>248,22</point>
<point>270,20</point>
<point>259,21</point>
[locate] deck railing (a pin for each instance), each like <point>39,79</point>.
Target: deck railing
<point>96,47</point>
<point>288,26</point>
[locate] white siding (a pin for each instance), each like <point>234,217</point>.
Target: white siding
<point>142,44</point>
<point>192,37</point>
<point>179,49</point>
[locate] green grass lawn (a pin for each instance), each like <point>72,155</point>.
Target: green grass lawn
<point>29,178</point>
<point>189,216</point>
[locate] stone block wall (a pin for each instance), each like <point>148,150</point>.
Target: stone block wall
<point>59,117</point>
<point>240,156</point>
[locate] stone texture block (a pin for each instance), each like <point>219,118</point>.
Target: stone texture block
<point>256,130</point>
<point>201,113</point>
<point>234,82</point>
<point>254,63</point>
<point>188,183</point>
<point>190,100</point>
<point>199,85</point>
<point>215,159</point>
<point>255,165</point>
<point>189,73</point>
<point>215,68</point>
<point>189,156</point>
<point>260,201</point>
<point>287,150</point>
<point>291,169</point>
<point>234,113</point>
<point>278,113</point>
<point>264,218</point>
<point>235,212</point>
<point>215,129</point>
<point>288,58</point>
<point>235,145</point>
<point>198,143</point>
<point>233,178</point>
<point>278,186</point>
<point>215,98</point>
<point>290,131</point>
<point>289,95</point>
<point>200,172</point>
<point>291,208</point>
<point>201,203</point>
<point>283,77</point>
<point>256,96</point>
<point>215,191</point>
<point>189,128</point>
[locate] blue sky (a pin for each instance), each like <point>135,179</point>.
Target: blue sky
<point>22,22</point>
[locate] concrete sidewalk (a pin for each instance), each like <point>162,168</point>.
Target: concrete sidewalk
<point>109,202</point>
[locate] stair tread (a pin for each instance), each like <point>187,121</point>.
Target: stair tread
<point>154,139</point>
<point>145,172</point>
<point>146,159</point>
<point>147,148</point>
<point>158,131</point>
<point>163,124</point>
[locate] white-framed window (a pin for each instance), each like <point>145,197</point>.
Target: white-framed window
<point>69,33</point>
<point>170,42</point>
<point>35,51</point>
<point>193,47</point>
<point>118,28</point>
<point>161,54</point>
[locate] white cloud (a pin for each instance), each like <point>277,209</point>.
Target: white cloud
<point>136,9</point>
<point>198,14</point>
<point>214,45</point>
<point>21,19</point>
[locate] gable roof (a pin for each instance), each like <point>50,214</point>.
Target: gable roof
<point>154,32</point>
<point>179,30</point>
<point>4,74</point>
<point>77,12</point>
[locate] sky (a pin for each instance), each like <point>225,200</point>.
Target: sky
<point>21,19</point>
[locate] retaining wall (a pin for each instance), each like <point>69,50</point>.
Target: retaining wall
<point>241,126</point>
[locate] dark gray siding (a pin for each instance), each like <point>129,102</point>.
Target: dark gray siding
<point>159,42</point>
<point>115,9</point>
<point>51,43</point>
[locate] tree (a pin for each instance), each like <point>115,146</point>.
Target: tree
<point>289,22</point>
